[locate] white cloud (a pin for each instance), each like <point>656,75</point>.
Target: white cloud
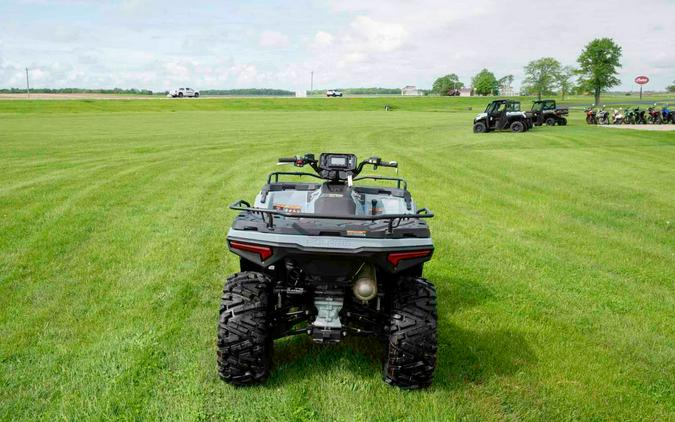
<point>322,39</point>
<point>157,44</point>
<point>369,35</point>
<point>273,39</point>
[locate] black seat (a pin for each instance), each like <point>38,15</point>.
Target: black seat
<point>335,199</point>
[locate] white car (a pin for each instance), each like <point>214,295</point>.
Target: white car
<point>183,92</point>
<point>333,93</point>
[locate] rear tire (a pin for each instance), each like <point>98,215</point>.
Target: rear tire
<point>411,352</point>
<point>180,94</point>
<point>517,127</point>
<point>244,337</point>
<point>479,127</point>
<point>550,121</point>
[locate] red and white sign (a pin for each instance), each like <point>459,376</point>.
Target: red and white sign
<point>641,80</point>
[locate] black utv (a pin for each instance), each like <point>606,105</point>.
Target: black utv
<point>546,112</point>
<point>502,115</point>
<point>329,258</point>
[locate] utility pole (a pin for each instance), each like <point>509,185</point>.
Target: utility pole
<point>27,84</point>
<point>311,83</point>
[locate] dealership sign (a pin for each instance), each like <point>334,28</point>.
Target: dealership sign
<point>641,80</point>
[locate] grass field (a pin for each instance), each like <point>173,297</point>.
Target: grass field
<point>554,263</point>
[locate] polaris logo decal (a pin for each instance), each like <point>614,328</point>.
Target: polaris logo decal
<point>322,242</point>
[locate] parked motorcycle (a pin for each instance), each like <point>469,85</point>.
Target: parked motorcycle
<point>667,115</point>
<point>654,116</point>
<point>591,116</point>
<point>629,117</point>
<point>640,118</point>
<point>602,116</point>
<point>618,117</point>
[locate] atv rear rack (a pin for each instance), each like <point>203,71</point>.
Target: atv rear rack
<point>268,215</point>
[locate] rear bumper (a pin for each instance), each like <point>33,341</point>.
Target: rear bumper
<point>371,249</point>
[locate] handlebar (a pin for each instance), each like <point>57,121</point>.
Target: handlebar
<point>308,159</point>
<point>375,162</point>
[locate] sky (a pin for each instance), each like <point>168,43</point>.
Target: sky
<point>164,44</point>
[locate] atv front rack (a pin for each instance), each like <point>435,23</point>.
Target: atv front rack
<point>274,178</point>
<point>268,215</point>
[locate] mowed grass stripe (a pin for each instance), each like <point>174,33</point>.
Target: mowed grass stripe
<point>56,203</point>
<point>117,286</point>
<point>171,292</point>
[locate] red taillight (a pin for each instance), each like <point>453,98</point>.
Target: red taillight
<point>263,252</point>
<point>396,257</point>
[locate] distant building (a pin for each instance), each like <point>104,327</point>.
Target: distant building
<point>466,92</point>
<point>410,90</point>
<point>507,91</point>
<point>301,93</point>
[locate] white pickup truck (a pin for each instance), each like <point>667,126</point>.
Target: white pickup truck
<point>183,92</point>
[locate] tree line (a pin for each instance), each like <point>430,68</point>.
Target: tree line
<point>77,91</point>
<point>361,91</point>
<point>597,71</point>
<point>262,92</point>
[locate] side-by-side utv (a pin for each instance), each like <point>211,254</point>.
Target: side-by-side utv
<point>546,112</point>
<point>329,258</point>
<point>502,115</point>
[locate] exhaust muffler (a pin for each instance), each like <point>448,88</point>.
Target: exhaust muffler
<point>365,286</point>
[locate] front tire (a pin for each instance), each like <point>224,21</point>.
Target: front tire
<point>412,345</point>
<point>517,127</point>
<point>479,127</point>
<point>180,95</point>
<point>562,121</point>
<point>196,94</point>
<point>244,337</point>
<point>550,121</point>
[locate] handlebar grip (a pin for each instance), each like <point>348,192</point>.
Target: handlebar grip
<point>287,160</point>
<point>389,164</point>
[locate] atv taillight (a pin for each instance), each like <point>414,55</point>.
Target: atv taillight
<point>396,257</point>
<point>263,252</point>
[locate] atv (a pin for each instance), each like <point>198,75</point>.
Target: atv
<point>329,258</point>
<point>502,115</point>
<point>546,112</point>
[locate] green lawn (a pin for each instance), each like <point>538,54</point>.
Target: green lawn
<point>554,263</point>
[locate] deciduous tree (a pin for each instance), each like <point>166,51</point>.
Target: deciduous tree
<point>485,83</point>
<point>444,84</point>
<point>541,76</point>
<point>565,80</point>
<point>598,64</point>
